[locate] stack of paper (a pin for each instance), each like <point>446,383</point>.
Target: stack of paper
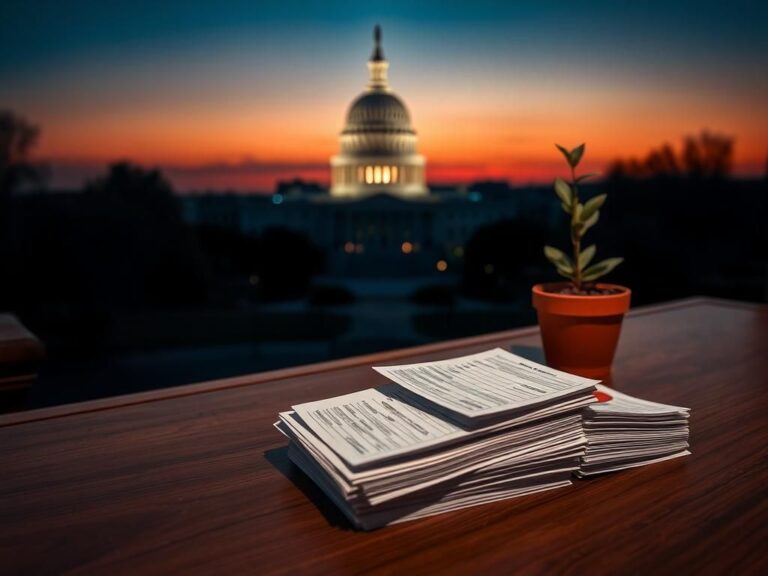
<point>624,432</point>
<point>446,435</point>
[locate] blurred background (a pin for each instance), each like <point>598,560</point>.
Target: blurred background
<point>169,214</point>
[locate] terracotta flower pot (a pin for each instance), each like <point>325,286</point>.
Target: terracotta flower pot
<point>580,333</point>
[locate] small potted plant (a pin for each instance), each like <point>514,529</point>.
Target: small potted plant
<point>580,320</point>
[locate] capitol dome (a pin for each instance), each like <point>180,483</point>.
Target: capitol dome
<point>378,143</point>
<point>382,111</point>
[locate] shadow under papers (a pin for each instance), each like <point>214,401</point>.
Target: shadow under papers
<point>278,457</point>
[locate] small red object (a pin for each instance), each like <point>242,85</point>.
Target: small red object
<point>602,396</point>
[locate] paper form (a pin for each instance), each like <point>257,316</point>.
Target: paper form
<point>491,382</point>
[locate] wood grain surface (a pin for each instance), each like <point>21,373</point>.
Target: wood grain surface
<point>195,480</point>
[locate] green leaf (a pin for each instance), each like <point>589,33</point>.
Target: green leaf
<point>558,257</point>
<point>565,153</point>
<point>592,205</point>
<point>600,269</point>
<point>566,208</point>
<point>591,221</point>
<point>565,272</point>
<point>574,156</point>
<point>577,210</point>
<point>586,176</point>
<point>562,263</point>
<point>586,256</point>
<point>563,191</point>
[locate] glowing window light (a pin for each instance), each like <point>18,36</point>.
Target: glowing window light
<point>394,173</point>
<point>377,174</point>
<point>441,265</point>
<point>406,247</point>
<point>369,175</point>
<point>385,174</point>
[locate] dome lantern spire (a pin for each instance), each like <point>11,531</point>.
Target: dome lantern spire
<point>377,65</point>
<point>378,53</point>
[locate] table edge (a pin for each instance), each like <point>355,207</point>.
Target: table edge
<point>63,410</point>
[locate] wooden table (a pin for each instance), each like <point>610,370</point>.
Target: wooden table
<point>194,480</point>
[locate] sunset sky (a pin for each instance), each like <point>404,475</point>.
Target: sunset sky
<point>240,94</point>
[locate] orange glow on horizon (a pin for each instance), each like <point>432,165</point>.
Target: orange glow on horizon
<point>241,110</point>
<point>464,138</point>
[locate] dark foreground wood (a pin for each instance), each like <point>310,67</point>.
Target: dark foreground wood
<point>196,481</point>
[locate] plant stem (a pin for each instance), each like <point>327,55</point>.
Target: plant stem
<point>575,239</point>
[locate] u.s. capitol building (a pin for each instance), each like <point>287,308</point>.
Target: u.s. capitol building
<point>379,217</point>
<point>378,143</point>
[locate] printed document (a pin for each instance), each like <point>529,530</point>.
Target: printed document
<point>489,383</point>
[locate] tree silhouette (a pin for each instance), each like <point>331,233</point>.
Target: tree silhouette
<point>136,243</point>
<point>144,192</point>
<point>18,137</point>
<point>662,162</point>
<point>707,156</point>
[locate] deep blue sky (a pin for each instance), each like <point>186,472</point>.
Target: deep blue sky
<point>34,34</point>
